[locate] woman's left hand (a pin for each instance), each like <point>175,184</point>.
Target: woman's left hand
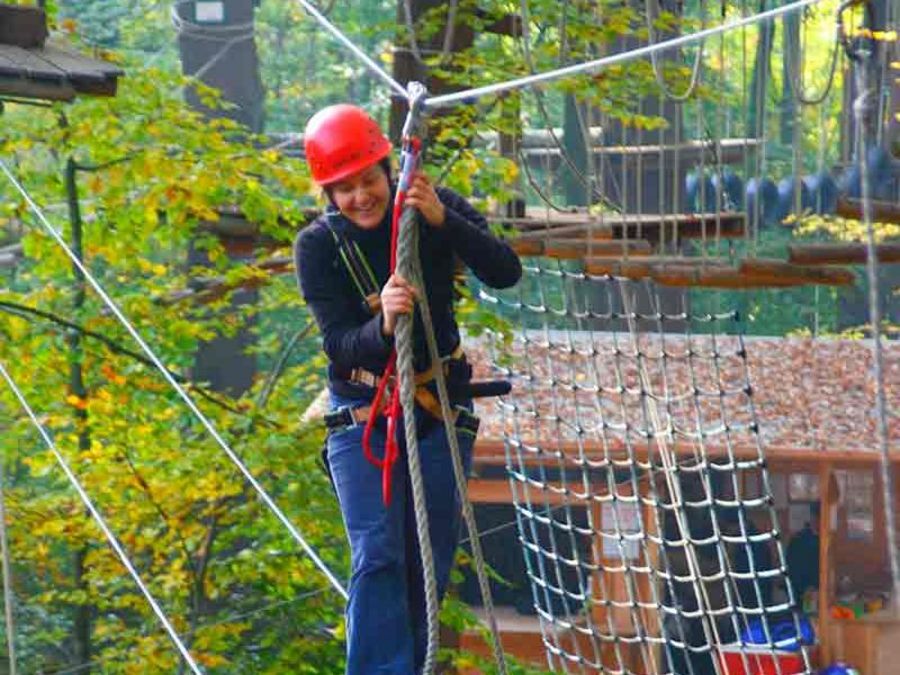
<point>422,196</point>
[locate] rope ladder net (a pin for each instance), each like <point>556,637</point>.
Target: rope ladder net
<point>638,478</point>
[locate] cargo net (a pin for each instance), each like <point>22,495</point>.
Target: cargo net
<point>640,487</point>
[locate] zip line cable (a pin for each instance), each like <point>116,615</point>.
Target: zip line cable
<point>359,53</point>
<point>861,57</point>
<point>468,95</point>
<point>110,537</point>
<point>264,496</point>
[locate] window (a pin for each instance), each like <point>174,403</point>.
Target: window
<point>857,490</point>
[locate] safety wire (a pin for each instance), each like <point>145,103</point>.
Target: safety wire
<point>356,51</point>
<point>861,53</point>
<point>110,537</point>
<point>469,95</point>
<point>170,379</point>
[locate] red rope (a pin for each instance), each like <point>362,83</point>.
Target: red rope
<point>393,410</point>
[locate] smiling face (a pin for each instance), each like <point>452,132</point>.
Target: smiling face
<point>363,197</point>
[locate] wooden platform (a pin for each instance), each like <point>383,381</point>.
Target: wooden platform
<point>653,227</point>
<point>576,249</point>
<point>54,73</point>
<point>715,273</point>
<point>882,212</point>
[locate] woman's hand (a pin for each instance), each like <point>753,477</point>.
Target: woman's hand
<point>397,297</point>
<point>422,196</point>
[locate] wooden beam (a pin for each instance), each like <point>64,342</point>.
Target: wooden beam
<point>882,212</point>
<point>785,272</point>
<point>499,491</point>
<point>492,452</point>
<point>841,253</point>
<point>693,272</point>
<point>576,249</point>
<point>728,150</point>
<point>652,227</point>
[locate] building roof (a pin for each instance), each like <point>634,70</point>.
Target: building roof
<point>808,395</point>
<point>32,68</point>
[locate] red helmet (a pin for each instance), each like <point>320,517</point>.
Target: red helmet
<point>340,140</point>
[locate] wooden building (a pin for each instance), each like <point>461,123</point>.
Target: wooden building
<point>35,68</point>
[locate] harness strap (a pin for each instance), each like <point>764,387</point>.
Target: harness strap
<point>369,379</point>
<point>358,268</point>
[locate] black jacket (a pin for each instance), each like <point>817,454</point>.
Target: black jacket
<point>352,337</point>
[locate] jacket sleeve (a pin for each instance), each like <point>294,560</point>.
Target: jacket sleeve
<point>347,341</point>
<point>490,258</point>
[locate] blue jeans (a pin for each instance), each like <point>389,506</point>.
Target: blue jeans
<point>386,619</point>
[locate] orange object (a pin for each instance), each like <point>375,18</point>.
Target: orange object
<point>340,140</point>
<point>841,612</point>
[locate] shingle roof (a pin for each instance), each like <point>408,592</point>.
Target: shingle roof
<point>807,394</point>
<point>54,73</point>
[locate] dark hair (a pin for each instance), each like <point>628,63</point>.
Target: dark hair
<point>384,163</point>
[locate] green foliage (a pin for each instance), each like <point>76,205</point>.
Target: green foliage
<point>235,584</point>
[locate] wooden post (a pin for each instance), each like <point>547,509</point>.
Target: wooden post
<point>826,496</point>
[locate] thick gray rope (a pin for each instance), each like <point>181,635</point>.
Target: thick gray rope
<point>410,267</point>
<point>407,253</point>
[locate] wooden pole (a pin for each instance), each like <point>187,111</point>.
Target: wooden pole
<point>826,496</point>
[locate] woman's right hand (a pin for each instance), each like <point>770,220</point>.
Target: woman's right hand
<point>397,297</point>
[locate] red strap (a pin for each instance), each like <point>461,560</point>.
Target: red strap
<point>394,410</point>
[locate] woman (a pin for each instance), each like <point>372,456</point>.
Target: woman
<point>343,265</point>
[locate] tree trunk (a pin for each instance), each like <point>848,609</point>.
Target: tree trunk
<point>759,82</point>
<point>407,68</point>
<point>790,68</point>
<point>222,54</point>
<point>576,148</point>
<point>81,627</point>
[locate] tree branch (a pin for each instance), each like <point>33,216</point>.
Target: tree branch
<point>114,346</point>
